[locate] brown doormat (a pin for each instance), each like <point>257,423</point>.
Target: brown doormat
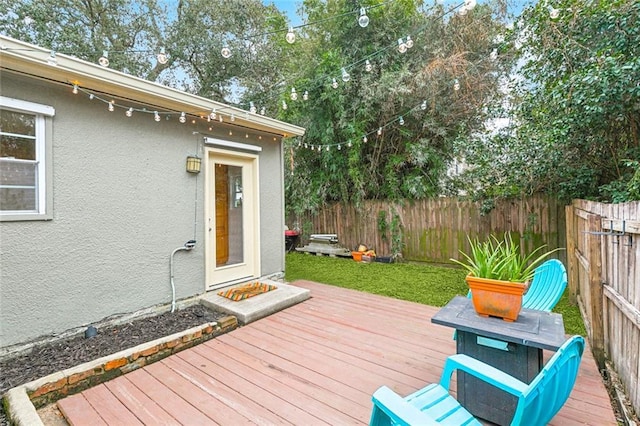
<point>246,291</point>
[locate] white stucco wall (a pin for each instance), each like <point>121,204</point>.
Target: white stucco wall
<point>122,203</point>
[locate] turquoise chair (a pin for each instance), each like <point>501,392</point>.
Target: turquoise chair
<point>548,284</point>
<point>538,402</point>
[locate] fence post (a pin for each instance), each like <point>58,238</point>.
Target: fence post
<point>572,268</point>
<point>594,224</point>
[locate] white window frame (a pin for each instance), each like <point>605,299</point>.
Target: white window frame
<point>43,135</point>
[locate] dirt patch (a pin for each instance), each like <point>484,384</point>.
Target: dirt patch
<point>51,357</point>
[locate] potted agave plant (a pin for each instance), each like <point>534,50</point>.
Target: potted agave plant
<point>499,275</point>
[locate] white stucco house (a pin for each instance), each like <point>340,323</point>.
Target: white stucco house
<point>97,204</point>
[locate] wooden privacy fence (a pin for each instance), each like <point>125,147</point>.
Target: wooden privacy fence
<point>603,247</point>
<point>434,230</point>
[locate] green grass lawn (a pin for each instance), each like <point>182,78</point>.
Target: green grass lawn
<point>417,282</point>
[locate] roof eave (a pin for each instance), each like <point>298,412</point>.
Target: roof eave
<point>30,59</point>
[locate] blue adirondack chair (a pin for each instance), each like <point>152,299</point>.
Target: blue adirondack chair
<point>547,286</point>
<point>538,402</point>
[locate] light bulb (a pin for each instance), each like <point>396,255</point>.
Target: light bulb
<point>345,75</point>
<point>305,95</point>
<point>334,84</point>
<point>367,66</point>
<point>213,114</point>
<point>183,117</point>
<point>91,96</point>
<point>111,106</point>
<point>75,89</point>
<point>226,52</point>
<point>494,54</point>
<point>339,147</point>
<point>456,85</point>
<point>349,144</point>
<point>129,112</point>
<point>294,94</point>
<point>401,121</point>
<point>233,117</point>
<point>402,47</point>
<point>262,111</point>
<point>220,119</point>
<point>463,10</point>
<point>284,104</point>
<point>52,60</point>
<point>327,148</point>
<point>156,116</point>
<point>104,59</point>
<point>469,4</point>
<point>409,42</point>
<point>252,108</point>
<point>363,20</point>
<point>364,139</point>
<point>291,36</point>
<point>379,132</point>
<point>162,56</point>
<point>423,105</point>
<point>554,13</point>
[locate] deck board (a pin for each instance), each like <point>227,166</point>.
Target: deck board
<point>317,362</point>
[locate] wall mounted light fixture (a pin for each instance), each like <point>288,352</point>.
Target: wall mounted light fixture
<point>193,164</point>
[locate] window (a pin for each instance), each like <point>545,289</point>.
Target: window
<point>25,160</point>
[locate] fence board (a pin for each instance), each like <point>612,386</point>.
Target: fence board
<point>434,230</point>
<point>596,231</point>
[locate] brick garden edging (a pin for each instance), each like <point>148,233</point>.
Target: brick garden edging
<point>22,401</point>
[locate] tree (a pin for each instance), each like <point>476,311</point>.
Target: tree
<point>576,107</point>
<point>410,98</point>
<point>192,34</point>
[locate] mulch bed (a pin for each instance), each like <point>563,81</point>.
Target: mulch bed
<point>48,358</point>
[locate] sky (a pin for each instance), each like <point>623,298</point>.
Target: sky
<point>290,6</point>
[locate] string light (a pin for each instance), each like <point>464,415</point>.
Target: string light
<point>162,56</point>
<point>402,47</point>
<point>75,89</point>
<point>233,117</point>
<point>226,52</point>
<point>183,117</point>
<point>284,104</point>
<point>401,121</point>
<point>252,108</point>
<point>262,111</point>
<point>363,20</point>
<point>409,42</point>
<point>213,114</point>
<point>305,95</point>
<point>294,95</point>
<point>367,66</point>
<point>156,116</point>
<point>129,112</point>
<point>291,36</point>
<point>379,132</point>
<point>456,85</point>
<point>111,106</point>
<point>104,59</point>
<point>52,60</point>
<point>334,84</point>
<point>553,12</point>
<point>423,105</point>
<point>364,139</point>
<point>345,75</point>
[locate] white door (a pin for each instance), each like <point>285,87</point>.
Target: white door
<point>233,237</point>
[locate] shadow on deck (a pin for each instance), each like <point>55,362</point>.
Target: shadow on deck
<point>317,362</point>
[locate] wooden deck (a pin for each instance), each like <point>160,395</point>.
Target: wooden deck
<point>315,363</point>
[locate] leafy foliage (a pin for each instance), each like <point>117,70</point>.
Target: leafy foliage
<point>575,108</point>
<point>405,161</point>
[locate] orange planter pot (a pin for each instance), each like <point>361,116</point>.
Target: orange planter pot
<point>502,299</point>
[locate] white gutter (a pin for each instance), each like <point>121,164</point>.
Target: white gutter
<point>26,58</point>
